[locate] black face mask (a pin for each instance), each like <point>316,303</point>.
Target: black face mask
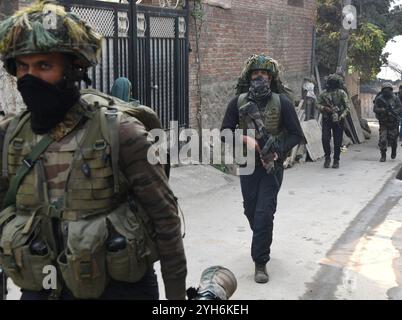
<point>47,103</point>
<point>387,93</point>
<point>259,88</point>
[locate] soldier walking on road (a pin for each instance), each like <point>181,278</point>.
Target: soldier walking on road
<point>277,116</point>
<point>334,106</point>
<point>388,111</point>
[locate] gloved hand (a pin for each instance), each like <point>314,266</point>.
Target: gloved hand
<point>268,159</point>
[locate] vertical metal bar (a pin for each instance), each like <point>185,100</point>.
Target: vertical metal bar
<point>153,104</point>
<point>121,67</point>
<point>124,43</point>
<point>115,47</point>
<point>140,73</point>
<point>166,78</point>
<point>108,63</point>
<point>147,60</point>
<point>186,65</point>
<point>176,72</point>
<point>131,40</point>
<point>142,76</point>
<point>94,77</point>
<point>101,72</point>
<point>133,56</point>
<point>171,78</point>
<point>158,65</point>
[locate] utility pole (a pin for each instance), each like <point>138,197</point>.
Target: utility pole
<point>347,23</point>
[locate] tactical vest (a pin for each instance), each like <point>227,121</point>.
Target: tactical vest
<point>271,114</point>
<point>384,118</point>
<point>94,209</point>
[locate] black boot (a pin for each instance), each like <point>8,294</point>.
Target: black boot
<point>335,165</point>
<point>327,163</point>
<point>383,156</point>
<point>393,152</point>
<point>261,274</point>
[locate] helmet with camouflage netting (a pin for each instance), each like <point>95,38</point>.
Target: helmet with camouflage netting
<point>46,27</point>
<point>262,62</point>
<point>387,85</point>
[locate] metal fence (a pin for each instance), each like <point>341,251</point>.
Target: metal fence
<point>149,46</point>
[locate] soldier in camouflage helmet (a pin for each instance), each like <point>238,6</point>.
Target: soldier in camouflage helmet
<point>388,110</point>
<point>278,118</point>
<point>255,62</point>
<point>78,190</point>
<point>334,105</point>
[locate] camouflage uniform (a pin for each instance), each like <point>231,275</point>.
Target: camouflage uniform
<point>333,121</point>
<point>145,182</point>
<point>388,111</point>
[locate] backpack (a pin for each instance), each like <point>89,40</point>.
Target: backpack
<point>145,114</point>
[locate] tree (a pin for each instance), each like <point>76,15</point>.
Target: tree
<point>376,25</point>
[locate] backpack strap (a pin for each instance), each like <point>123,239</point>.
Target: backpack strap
<point>27,164</point>
<point>241,100</point>
<point>110,126</point>
<point>13,128</point>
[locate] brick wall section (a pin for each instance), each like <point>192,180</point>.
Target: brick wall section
<point>230,36</point>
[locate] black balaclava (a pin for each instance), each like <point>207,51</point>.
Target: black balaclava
<point>387,92</point>
<point>259,88</point>
<point>332,85</point>
<point>48,103</point>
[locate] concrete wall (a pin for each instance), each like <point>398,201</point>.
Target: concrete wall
<point>229,36</point>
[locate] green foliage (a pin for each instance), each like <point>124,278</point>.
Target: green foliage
<point>197,12</point>
<point>365,51</point>
<point>376,25</point>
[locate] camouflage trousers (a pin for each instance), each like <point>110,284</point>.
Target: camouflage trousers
<point>388,137</point>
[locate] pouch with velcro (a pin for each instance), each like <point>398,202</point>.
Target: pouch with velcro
<point>83,262</point>
<point>132,261</point>
<point>20,263</point>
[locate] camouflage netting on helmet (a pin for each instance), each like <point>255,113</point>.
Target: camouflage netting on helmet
<point>262,62</point>
<point>46,27</point>
<point>387,85</point>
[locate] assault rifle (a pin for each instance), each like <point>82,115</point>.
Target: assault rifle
<point>334,109</point>
<point>389,109</point>
<point>267,143</point>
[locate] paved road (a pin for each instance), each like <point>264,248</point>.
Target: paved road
<point>337,234</point>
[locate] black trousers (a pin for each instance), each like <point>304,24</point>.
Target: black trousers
<point>260,192</point>
<point>330,128</point>
<point>144,289</point>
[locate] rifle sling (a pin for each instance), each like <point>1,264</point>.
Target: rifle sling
<point>27,164</point>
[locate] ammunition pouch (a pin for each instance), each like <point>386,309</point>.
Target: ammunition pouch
<point>17,233</point>
<point>87,265</point>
